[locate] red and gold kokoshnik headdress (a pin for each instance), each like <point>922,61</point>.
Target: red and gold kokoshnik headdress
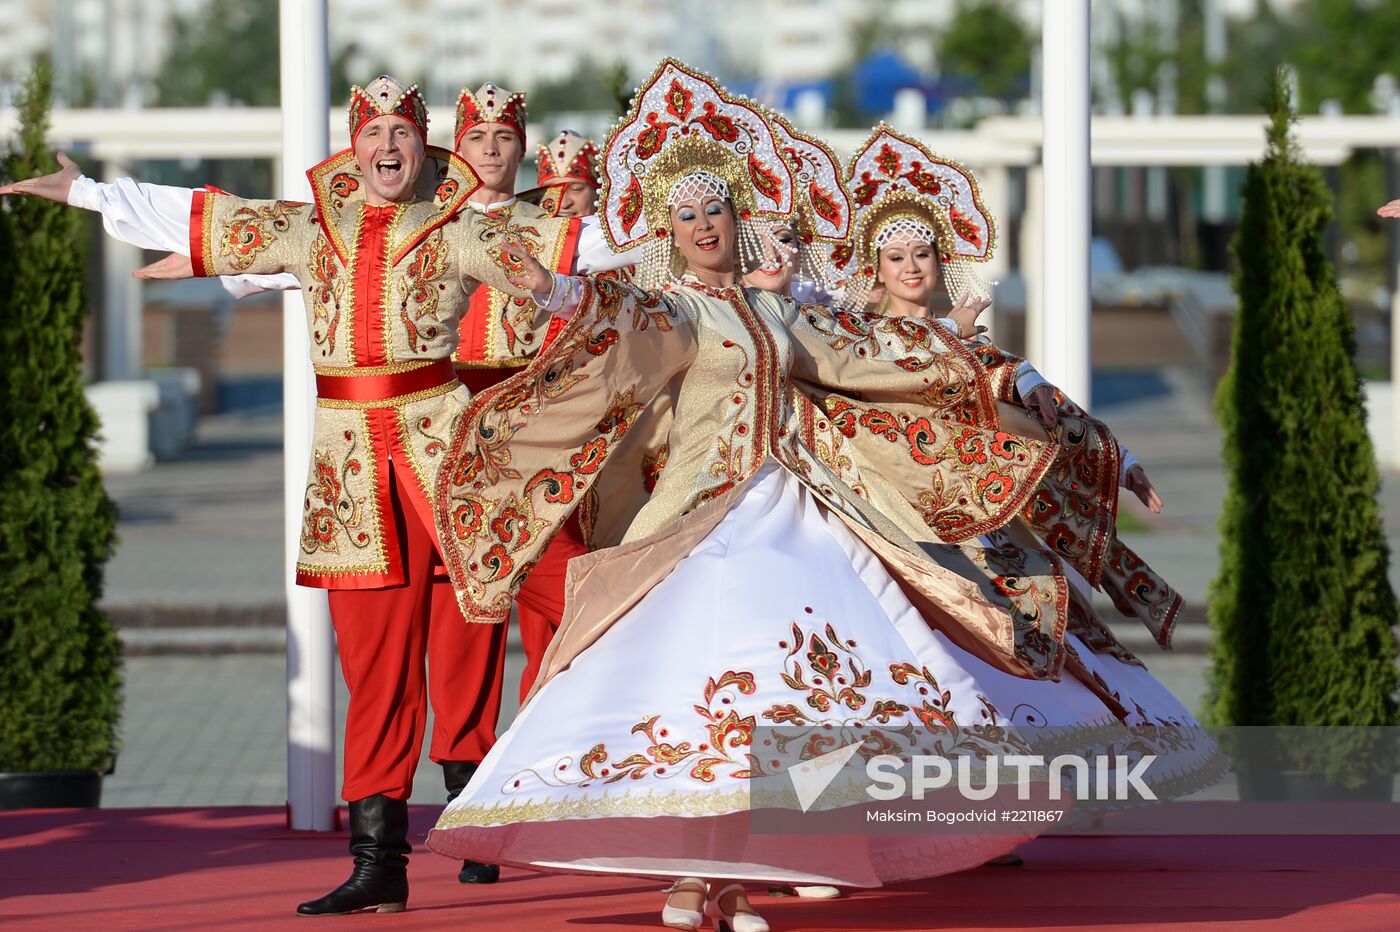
<point>489,104</point>
<point>824,210</point>
<point>683,137</point>
<point>386,96</point>
<point>904,193</point>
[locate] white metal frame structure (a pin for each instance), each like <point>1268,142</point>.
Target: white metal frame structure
<point>312,797</point>
<point>1059,315</point>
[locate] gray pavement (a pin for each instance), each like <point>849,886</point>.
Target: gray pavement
<point>203,530</point>
<point>196,589</point>
<point>211,731</point>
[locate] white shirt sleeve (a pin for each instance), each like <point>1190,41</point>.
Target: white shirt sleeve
<point>150,216</point>
<point>595,255</point>
<point>1028,379</point>
<point>565,295</point>
<point>154,216</point>
<point>1128,462</point>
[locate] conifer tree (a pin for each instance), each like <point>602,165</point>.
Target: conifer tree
<point>60,683</point>
<point>1302,610</point>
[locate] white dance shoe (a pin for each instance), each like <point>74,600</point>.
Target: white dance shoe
<point>740,922</point>
<point>673,917</point>
<point>807,892</point>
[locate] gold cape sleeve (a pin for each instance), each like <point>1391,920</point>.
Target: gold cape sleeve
<point>237,236</point>
<point>523,455</point>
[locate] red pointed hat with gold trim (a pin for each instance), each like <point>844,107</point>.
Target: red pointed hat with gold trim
<point>682,123</point>
<point>386,96</point>
<point>567,157</point>
<point>489,104</point>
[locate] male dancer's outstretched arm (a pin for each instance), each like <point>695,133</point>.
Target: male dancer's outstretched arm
<point>149,216</point>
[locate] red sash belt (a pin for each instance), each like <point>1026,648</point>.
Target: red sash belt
<point>376,387</point>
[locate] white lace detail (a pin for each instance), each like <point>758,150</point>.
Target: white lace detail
<point>697,186</point>
<point>904,230</point>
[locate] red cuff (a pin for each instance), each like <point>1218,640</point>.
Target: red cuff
<point>198,235</point>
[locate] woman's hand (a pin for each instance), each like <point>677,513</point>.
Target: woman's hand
<point>534,277</point>
<point>1141,486</point>
<point>173,266</point>
<point>966,313</point>
<point>1391,210</point>
<point>52,187</point>
<point>1042,401</point>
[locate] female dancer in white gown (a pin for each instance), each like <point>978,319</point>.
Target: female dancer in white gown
<point>749,586</point>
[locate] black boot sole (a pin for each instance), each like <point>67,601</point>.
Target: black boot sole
<point>381,908</point>
<point>479,874</point>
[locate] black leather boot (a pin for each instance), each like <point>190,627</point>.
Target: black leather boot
<point>456,775</point>
<point>379,842</point>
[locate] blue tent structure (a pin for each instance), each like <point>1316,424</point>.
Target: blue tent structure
<point>876,78</point>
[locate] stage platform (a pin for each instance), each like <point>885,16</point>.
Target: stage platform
<point>240,868</point>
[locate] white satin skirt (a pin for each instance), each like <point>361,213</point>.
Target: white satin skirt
<point>636,758</point>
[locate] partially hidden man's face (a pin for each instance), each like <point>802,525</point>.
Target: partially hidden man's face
<point>779,261</point>
<point>704,232</point>
<point>578,200</point>
<point>909,271</point>
<point>494,151</point>
<point>389,153</point>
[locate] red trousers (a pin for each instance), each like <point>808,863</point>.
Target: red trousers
<point>539,605</point>
<point>385,635</point>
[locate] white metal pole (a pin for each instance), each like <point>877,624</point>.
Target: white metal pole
<point>996,194</point>
<point>311,791</point>
<point>1064,322</point>
<point>123,356</point>
<point>1033,263</point>
<point>1214,193</point>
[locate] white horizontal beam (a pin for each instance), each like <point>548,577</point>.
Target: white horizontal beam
<point>1130,141</point>
<point>256,132</point>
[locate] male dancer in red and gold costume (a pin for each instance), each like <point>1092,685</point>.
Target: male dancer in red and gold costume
<point>387,266</point>
<point>490,136</point>
<point>567,176</point>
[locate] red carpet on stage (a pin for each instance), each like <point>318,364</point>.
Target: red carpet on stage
<point>162,869</point>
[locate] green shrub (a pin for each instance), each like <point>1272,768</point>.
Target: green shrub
<point>60,680</point>
<point>1302,610</point>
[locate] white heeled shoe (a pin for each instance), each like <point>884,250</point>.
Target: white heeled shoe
<point>808,892</point>
<point>673,917</point>
<point>741,922</point>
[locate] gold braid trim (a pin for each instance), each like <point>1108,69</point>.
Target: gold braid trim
<point>206,234</point>
<point>392,369</point>
<point>359,569</point>
<point>510,362</point>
